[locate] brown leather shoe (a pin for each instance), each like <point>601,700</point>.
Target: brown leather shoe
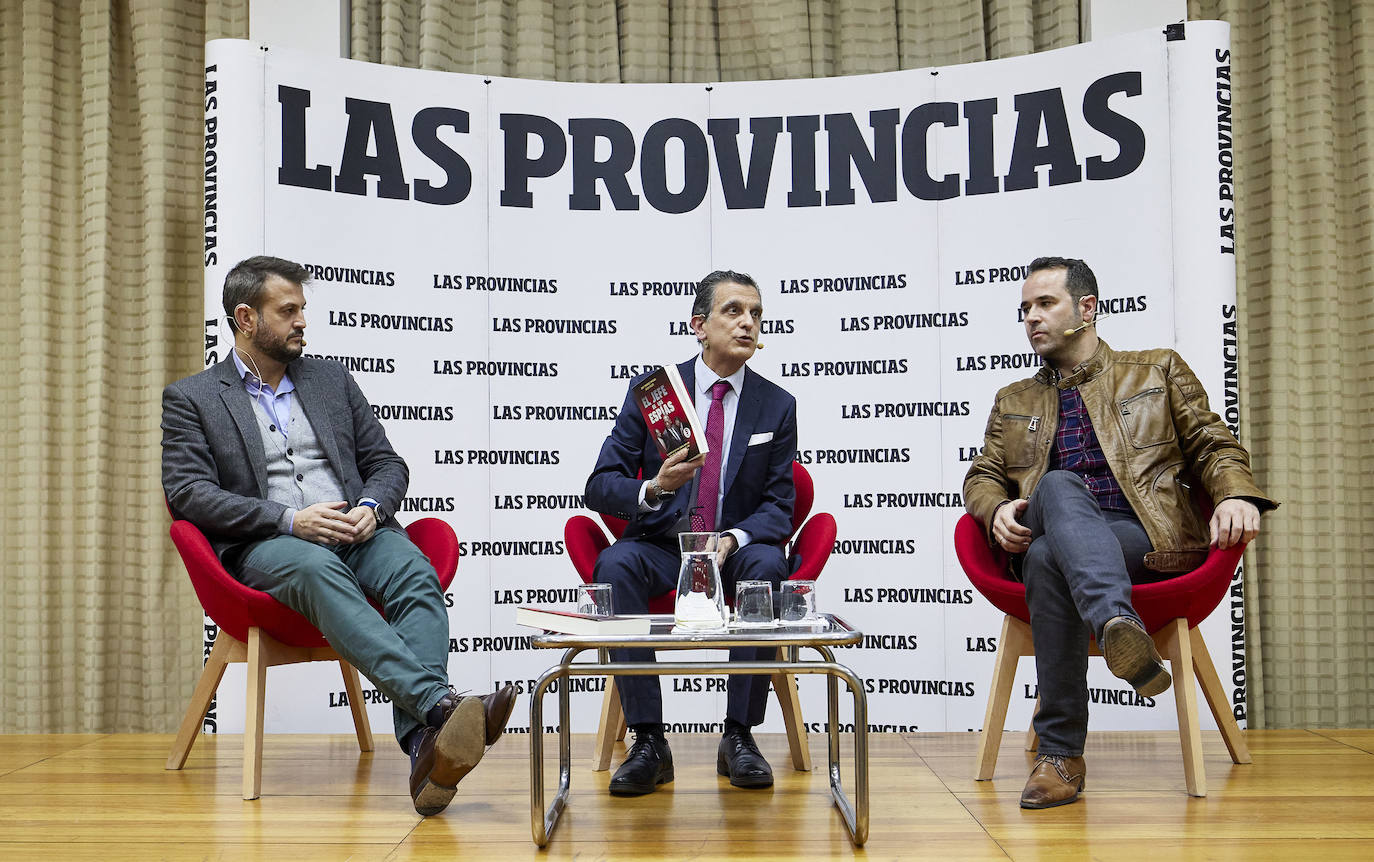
<point>1054,781</point>
<point>1131,655</point>
<point>445,754</point>
<point>498,706</point>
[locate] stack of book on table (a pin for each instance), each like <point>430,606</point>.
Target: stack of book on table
<point>572,623</point>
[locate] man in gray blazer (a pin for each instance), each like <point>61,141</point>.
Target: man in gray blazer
<point>279,460</point>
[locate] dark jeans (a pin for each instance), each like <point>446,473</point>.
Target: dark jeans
<point>406,654</point>
<point>1078,572</point>
<point>639,569</point>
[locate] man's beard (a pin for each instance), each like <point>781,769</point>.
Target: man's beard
<point>278,349</point>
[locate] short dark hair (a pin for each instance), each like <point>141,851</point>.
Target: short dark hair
<point>1079,280</point>
<point>706,289</point>
<point>243,284</point>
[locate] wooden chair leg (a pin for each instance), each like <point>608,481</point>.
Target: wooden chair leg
<point>1033,738</point>
<point>256,701</point>
<point>1215,694</point>
<point>785,687</point>
<point>609,729</point>
<point>1177,648</point>
<point>1014,643</point>
<point>210,676</point>
<point>361,726</point>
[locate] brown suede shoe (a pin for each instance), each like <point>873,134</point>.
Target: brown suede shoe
<point>1054,781</point>
<point>445,754</point>
<point>1131,655</point>
<point>498,706</point>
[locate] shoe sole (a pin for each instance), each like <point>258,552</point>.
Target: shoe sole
<point>1033,806</point>
<point>754,782</point>
<point>1131,656</point>
<point>501,728</point>
<point>458,748</point>
<point>664,777</point>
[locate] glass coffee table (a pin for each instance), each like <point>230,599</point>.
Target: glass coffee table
<point>829,632</point>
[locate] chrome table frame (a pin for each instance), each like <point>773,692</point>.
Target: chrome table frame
<point>789,639</point>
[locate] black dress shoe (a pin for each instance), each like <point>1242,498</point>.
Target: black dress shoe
<point>649,764</point>
<point>444,754</point>
<point>739,758</point>
<point>498,705</point>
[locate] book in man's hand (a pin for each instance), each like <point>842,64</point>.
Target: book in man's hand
<point>669,413</point>
<point>572,623</point>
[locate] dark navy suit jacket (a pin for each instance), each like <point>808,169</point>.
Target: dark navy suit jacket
<point>757,475</point>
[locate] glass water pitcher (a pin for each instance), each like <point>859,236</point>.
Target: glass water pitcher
<point>700,597</point>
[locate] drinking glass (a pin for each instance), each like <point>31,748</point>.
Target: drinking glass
<point>754,603</point>
<point>798,602</point>
<point>594,600</point>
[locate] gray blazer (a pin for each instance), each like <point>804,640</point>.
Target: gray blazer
<point>214,470</point>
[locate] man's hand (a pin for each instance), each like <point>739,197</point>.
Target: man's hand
<point>1011,534</point>
<point>325,524</point>
<point>676,472</point>
<point>728,545</point>
<point>1234,521</point>
<point>364,519</point>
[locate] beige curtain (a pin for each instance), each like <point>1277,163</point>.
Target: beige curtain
<point>653,41</point>
<point>1304,128</point>
<point>100,145</point>
<point>100,241</point>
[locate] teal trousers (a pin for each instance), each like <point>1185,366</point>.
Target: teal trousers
<point>405,654</point>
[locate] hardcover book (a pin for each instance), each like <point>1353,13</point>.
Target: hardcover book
<point>667,407</point>
<point>569,622</point>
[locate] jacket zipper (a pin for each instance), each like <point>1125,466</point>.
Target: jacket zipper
<point>1126,411</point>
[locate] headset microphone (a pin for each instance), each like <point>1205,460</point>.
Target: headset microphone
<point>1092,322</point>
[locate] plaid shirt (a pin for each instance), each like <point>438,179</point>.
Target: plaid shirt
<point>1076,449</point>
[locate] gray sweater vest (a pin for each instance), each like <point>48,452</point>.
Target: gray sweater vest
<point>298,473</point>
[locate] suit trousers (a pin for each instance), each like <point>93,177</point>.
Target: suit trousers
<point>404,654</point>
<point>1079,570</point>
<point>639,569</point>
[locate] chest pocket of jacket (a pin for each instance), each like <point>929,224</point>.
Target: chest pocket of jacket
<point>1146,418</point>
<point>1021,435</point>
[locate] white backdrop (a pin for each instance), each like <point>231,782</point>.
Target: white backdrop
<point>494,258</point>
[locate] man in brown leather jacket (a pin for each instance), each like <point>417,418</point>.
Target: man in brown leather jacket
<point>1087,470</point>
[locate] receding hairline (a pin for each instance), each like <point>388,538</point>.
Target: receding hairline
<point>288,283</point>
<point>1062,285</point>
<point>716,295</point>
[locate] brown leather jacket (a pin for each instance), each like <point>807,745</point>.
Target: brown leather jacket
<point>1157,434</point>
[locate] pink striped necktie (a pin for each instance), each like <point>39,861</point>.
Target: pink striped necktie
<point>708,483</point>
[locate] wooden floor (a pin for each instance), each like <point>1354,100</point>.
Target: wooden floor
<point>1308,795</point>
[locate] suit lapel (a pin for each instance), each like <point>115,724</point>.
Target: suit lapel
<point>746,418</point>
<point>688,371</point>
<point>312,401</point>
<point>240,408</point>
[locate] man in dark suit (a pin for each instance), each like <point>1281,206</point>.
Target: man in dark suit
<point>745,492</point>
<point>279,460</point>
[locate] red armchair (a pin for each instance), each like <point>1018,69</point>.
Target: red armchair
<point>257,629</point>
<point>809,547</point>
<point>1171,610</point>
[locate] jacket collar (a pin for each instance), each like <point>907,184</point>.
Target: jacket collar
<point>1085,372</point>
